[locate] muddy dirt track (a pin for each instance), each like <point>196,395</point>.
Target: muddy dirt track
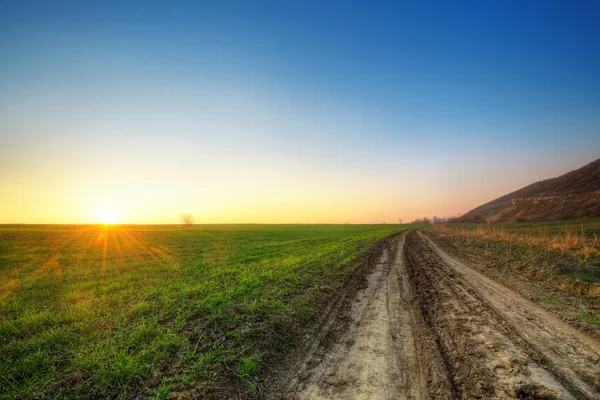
<point>428,326</point>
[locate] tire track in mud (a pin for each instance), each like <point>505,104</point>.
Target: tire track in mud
<point>427,326</point>
<point>485,339</point>
<point>374,356</point>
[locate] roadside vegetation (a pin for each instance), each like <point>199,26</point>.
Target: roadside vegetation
<point>580,239</point>
<point>163,311</point>
<point>563,256</point>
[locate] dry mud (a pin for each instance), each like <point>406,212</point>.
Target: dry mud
<point>428,326</point>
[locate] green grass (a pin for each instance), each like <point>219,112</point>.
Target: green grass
<point>562,307</point>
<point>159,310</point>
<point>590,318</point>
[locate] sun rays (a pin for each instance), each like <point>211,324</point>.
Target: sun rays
<point>8,287</point>
<point>104,251</point>
<point>102,246</point>
<point>165,261</point>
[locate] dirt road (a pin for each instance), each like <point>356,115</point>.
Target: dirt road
<point>428,326</point>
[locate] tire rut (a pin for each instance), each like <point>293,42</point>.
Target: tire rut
<point>427,326</point>
<point>487,346</point>
<point>375,357</point>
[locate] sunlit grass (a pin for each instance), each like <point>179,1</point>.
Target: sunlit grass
<point>570,249</point>
<point>105,311</point>
<point>578,237</point>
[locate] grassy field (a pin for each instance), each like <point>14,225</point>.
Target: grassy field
<point>157,311</point>
<point>575,240</point>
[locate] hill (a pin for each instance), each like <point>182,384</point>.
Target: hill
<point>573,195</point>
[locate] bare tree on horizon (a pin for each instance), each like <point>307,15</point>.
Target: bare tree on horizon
<point>188,219</point>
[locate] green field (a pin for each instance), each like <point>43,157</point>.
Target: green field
<point>152,311</point>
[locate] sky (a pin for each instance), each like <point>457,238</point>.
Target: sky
<point>289,111</point>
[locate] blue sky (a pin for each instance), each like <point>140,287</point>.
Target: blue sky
<point>395,109</point>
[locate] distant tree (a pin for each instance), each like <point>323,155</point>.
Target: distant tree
<point>399,220</point>
<point>188,219</point>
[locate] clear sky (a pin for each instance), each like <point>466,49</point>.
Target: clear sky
<point>289,111</point>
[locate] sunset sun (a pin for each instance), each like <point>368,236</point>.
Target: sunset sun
<point>106,216</point>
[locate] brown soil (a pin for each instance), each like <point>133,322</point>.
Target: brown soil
<point>567,298</point>
<point>428,325</point>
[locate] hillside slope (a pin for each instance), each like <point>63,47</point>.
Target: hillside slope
<point>572,195</point>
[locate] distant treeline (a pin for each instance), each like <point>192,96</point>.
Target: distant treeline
<point>437,220</point>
